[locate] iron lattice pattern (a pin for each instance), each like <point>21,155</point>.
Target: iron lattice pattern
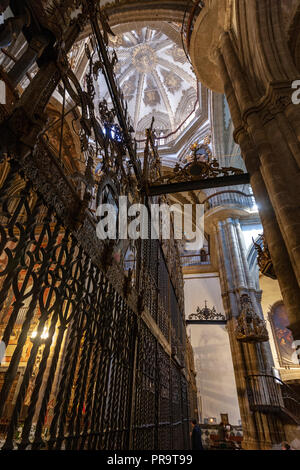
<point>81,369</point>
<point>160,297</point>
<point>161,401</point>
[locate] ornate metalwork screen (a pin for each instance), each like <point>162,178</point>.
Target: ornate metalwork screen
<point>95,358</point>
<point>82,370</point>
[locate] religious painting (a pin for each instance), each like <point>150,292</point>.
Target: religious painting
<point>116,41</point>
<point>144,58</point>
<point>282,335</point>
<point>177,54</point>
<point>151,94</point>
<point>171,81</point>
<point>129,88</point>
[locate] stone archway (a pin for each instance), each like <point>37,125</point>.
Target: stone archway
<point>148,11</point>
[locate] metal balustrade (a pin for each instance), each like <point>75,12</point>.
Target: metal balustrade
<point>230,198</point>
<point>269,394</point>
<point>195,260</point>
<point>192,12</point>
<point>166,139</point>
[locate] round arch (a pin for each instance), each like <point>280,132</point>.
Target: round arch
<point>147,11</point>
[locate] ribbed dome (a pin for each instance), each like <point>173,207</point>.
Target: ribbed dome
<point>156,79</point>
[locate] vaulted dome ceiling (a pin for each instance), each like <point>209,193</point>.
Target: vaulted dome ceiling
<point>156,79</point>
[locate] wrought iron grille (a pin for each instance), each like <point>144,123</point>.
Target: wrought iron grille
<point>177,425</point>
<point>76,352</point>
<point>164,403</point>
<point>82,370</point>
<point>145,435</point>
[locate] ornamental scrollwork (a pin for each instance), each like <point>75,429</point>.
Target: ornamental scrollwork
<point>250,327</point>
<point>207,314</point>
<point>264,259</point>
<point>199,164</point>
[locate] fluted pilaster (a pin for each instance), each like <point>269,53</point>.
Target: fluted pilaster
<point>248,359</point>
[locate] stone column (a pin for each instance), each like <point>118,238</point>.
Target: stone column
<point>260,431</point>
<point>278,248</point>
<point>242,47</point>
<point>278,152</point>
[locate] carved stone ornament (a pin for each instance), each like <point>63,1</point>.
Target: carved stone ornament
<point>264,260</point>
<point>251,328</point>
<point>207,314</point>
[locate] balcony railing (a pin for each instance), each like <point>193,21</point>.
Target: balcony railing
<point>162,138</point>
<point>193,9</point>
<point>230,198</point>
<point>268,394</point>
<point>195,260</point>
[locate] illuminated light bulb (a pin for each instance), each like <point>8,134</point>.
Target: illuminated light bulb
<point>45,334</point>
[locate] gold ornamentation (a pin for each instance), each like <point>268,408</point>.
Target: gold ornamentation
<point>207,314</point>
<point>152,162</point>
<point>178,54</point>
<point>200,164</point>
<point>129,87</point>
<point>251,328</point>
<point>171,81</point>
<point>264,260</point>
<point>151,95</point>
<point>116,41</point>
<point>144,58</point>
